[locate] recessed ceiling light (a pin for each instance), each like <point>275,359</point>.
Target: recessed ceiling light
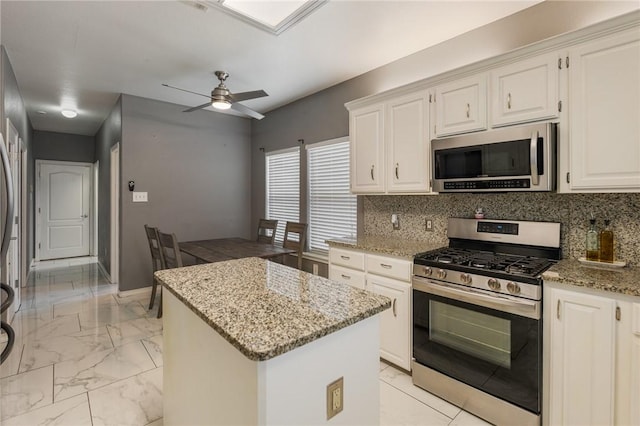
<point>42,112</point>
<point>69,113</point>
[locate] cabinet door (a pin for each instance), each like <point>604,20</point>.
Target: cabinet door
<point>366,129</point>
<point>525,91</point>
<point>395,338</point>
<point>582,356</point>
<point>347,276</point>
<point>604,113</point>
<point>628,365</point>
<point>408,144</point>
<point>461,106</point>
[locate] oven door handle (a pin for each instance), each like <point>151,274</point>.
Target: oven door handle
<point>533,158</point>
<point>521,307</point>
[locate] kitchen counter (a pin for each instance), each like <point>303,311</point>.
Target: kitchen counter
<point>374,244</point>
<point>617,280</point>
<point>249,341</point>
<point>265,309</point>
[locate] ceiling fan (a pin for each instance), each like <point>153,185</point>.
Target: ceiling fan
<point>221,98</point>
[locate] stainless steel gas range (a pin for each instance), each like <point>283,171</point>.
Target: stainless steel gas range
<point>477,329</point>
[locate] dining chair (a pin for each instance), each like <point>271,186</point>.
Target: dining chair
<point>157,260</point>
<point>171,254</point>
<point>267,231</point>
<point>295,236</point>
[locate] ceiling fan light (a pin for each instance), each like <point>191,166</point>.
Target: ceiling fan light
<point>221,104</point>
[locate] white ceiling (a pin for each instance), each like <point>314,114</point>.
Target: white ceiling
<point>83,54</point>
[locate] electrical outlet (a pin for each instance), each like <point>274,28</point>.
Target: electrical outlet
<point>428,225</point>
<point>140,197</point>
<point>314,269</point>
<point>335,397</point>
<point>395,221</point>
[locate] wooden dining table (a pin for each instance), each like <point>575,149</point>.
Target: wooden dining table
<point>220,249</point>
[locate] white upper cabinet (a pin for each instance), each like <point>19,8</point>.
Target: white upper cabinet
<point>407,141</point>
<point>461,106</point>
<point>604,114</point>
<point>366,130</point>
<point>525,91</point>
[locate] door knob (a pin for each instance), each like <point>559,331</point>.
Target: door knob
<point>84,216</point>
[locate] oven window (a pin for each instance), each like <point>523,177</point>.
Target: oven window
<point>480,335</point>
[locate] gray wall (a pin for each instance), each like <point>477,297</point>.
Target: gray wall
<point>63,147</point>
<point>108,135</point>
<point>196,168</point>
<point>12,107</point>
<point>323,116</point>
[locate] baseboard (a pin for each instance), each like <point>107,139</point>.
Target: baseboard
<point>104,271</point>
<point>135,291</point>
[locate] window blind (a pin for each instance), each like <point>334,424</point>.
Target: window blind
<point>332,208</point>
<point>283,188</point>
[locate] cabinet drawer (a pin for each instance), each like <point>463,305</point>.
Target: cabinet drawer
<point>391,267</point>
<point>349,258</point>
<point>347,276</point>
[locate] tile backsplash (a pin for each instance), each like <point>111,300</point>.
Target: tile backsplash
<point>571,210</point>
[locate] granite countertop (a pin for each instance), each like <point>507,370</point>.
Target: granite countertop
<point>384,245</point>
<point>618,280</point>
<point>265,309</point>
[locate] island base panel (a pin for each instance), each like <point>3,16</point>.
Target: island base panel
<point>208,381</point>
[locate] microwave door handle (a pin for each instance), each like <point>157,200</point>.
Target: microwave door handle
<point>8,223</point>
<point>533,159</point>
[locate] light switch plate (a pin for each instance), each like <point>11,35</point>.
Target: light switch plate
<point>140,197</point>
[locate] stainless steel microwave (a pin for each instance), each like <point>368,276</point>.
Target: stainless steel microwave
<point>519,158</point>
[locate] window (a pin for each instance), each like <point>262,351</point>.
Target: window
<point>332,208</point>
<point>283,188</point>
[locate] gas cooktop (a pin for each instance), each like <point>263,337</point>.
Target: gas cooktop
<point>480,261</point>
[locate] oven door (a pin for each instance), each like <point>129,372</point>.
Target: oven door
<point>492,343</point>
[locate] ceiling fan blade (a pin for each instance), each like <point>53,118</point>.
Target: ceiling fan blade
<point>247,111</point>
<point>195,108</point>
<point>185,90</point>
<point>244,96</point>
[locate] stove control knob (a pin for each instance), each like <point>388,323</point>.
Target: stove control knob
<point>494,284</point>
<point>442,273</point>
<point>428,271</point>
<point>465,278</point>
<point>513,288</point>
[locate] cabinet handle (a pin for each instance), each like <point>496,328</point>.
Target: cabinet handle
<point>568,179</point>
<point>468,110</point>
<point>509,101</point>
<point>344,257</point>
<point>397,166</point>
<point>385,266</point>
<point>558,310</point>
<point>372,166</point>
<point>346,277</point>
<point>395,313</point>
<point>618,313</point>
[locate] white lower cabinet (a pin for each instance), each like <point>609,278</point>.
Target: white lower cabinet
<point>390,277</point>
<point>395,330</point>
<point>591,374</point>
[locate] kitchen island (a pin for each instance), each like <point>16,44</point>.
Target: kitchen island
<point>250,341</point>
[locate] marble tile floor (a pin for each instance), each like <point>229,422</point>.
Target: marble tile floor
<point>86,356</point>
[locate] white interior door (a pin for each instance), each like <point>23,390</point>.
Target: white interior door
<point>65,191</point>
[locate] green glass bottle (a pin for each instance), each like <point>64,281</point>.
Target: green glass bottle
<point>593,252</point>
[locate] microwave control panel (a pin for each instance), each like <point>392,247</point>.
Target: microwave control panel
<point>488,184</point>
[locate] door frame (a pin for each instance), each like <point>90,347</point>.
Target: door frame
<point>93,250</point>
<point>38,219</point>
<point>24,209</point>
<point>114,184</point>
